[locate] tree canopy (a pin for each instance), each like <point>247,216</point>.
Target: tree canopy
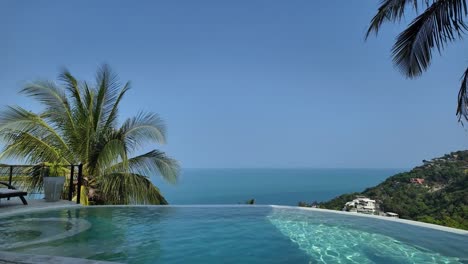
<point>79,125</point>
<point>437,23</point>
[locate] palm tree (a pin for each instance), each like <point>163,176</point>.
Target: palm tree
<point>79,125</point>
<point>439,23</point>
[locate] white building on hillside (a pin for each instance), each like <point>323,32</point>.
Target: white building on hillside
<point>361,205</point>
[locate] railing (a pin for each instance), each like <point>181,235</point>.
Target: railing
<point>11,174</point>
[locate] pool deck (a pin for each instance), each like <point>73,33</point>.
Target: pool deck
<point>17,258</point>
<point>14,205</point>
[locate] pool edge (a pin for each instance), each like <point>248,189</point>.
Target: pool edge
<point>385,218</point>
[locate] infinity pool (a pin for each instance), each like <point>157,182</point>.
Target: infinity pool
<point>232,234</point>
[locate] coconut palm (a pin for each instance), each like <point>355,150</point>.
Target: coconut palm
<point>438,23</point>
<point>78,125</point>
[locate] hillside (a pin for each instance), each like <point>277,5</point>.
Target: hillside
<point>442,197</point>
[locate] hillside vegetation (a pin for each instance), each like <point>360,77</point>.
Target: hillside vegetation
<point>442,199</point>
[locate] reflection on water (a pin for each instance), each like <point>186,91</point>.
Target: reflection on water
<point>327,243</point>
<point>21,233</point>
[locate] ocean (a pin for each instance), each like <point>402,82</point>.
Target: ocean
<point>268,186</point>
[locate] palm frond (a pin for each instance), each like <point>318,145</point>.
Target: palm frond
<point>106,94</point>
<point>28,147</point>
<point>18,119</point>
<point>107,154</point>
<point>462,109</point>
<point>129,188</point>
<point>389,11</point>
<point>111,119</point>
<point>88,96</point>
<point>439,24</point>
<point>86,127</point>
<point>55,101</point>
<point>27,180</point>
<point>72,86</point>
<point>151,163</point>
<point>142,128</point>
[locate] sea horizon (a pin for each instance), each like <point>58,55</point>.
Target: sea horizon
<point>282,186</point>
<point>279,168</point>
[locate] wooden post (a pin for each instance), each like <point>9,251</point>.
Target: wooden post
<point>10,178</point>
<point>71,185</point>
<point>11,175</point>
<point>80,178</point>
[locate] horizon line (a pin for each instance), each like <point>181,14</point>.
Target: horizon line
<point>325,168</point>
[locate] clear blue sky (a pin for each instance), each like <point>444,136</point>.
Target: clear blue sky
<point>246,83</point>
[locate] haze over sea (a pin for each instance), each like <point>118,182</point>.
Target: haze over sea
<point>268,186</point>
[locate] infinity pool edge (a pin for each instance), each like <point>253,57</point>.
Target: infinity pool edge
<point>385,218</point>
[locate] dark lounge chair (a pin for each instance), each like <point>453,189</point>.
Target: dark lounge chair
<point>12,192</point>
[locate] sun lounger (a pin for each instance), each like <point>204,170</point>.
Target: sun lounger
<point>12,192</point>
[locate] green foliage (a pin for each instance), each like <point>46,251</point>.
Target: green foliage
<point>436,24</point>
<point>54,169</point>
<point>442,199</point>
<point>78,124</point>
<point>305,204</point>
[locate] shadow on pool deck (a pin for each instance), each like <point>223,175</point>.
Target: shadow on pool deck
<point>14,205</point>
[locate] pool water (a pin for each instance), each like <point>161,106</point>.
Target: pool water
<point>235,234</point>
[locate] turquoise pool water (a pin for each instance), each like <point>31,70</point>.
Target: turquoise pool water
<point>236,234</point>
